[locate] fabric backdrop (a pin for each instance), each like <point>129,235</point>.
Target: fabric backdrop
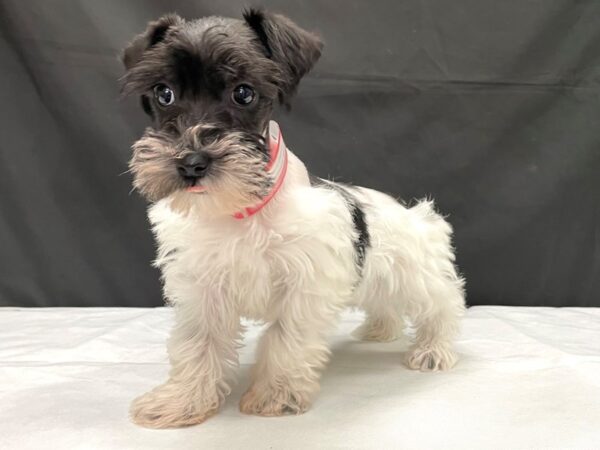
<point>490,107</point>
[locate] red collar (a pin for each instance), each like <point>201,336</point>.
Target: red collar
<point>277,167</point>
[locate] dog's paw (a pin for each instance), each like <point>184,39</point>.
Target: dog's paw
<point>164,407</point>
<point>432,358</point>
<point>273,402</point>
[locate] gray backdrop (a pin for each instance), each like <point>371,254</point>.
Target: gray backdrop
<point>491,107</point>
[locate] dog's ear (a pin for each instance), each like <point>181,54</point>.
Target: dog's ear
<point>294,49</point>
<point>155,32</point>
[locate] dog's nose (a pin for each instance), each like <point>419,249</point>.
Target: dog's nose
<point>193,166</point>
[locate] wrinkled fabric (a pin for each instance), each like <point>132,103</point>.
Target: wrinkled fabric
<point>489,107</point>
<point>527,378</point>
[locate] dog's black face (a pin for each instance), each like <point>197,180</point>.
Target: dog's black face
<point>210,86</point>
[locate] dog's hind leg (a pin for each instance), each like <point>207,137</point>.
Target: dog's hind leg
<point>436,325</point>
<point>383,322</point>
<point>434,298</point>
<point>410,274</point>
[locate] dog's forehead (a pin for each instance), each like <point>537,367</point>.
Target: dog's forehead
<point>217,40</point>
<point>199,28</point>
<point>208,53</point>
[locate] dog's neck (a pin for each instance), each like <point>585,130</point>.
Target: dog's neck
<point>277,167</point>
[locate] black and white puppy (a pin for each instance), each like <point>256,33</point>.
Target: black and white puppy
<point>243,231</point>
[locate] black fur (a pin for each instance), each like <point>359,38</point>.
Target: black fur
<point>255,18</point>
<point>146,105</point>
<point>359,219</point>
<point>360,225</point>
<point>156,32</point>
<point>202,62</point>
<point>294,50</point>
<point>192,75</point>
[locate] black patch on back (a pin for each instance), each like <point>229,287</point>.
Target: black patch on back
<point>359,219</point>
<point>364,239</point>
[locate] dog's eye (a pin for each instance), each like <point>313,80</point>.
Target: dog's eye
<point>164,95</point>
<point>243,95</point>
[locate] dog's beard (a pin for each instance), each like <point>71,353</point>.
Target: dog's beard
<point>236,177</point>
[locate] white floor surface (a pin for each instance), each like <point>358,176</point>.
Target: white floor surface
<point>527,378</point>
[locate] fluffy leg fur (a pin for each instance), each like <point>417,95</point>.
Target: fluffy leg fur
<point>202,354</point>
<point>432,350</point>
<point>410,274</point>
<point>290,358</point>
<point>435,297</point>
<point>381,325</point>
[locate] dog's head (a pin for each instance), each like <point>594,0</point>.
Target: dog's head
<point>210,86</point>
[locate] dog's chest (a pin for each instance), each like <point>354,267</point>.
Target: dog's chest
<point>252,265</point>
<point>243,265</point>
<point>252,274</point>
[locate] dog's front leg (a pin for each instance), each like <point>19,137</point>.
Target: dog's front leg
<point>290,357</point>
<point>203,352</point>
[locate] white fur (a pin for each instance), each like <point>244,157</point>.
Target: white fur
<point>293,266</point>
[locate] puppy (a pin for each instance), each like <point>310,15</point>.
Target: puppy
<point>244,231</point>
